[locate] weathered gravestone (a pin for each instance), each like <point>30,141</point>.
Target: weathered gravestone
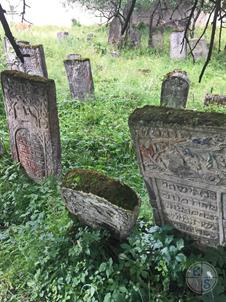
<point>175,88</point>
<point>30,103</point>
<point>215,99</point>
<point>80,78</point>
<point>156,38</point>
<point>182,157</point>
<point>34,60</point>
<point>62,35</point>
<point>178,50</point>
<point>114,35</point>
<point>201,48</point>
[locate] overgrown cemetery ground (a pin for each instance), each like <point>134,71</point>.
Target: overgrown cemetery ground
<point>43,256</point>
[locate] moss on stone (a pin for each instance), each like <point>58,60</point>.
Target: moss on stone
<point>156,116</point>
<point>102,186</point>
<point>24,76</point>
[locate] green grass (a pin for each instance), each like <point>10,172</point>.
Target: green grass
<point>34,224</point>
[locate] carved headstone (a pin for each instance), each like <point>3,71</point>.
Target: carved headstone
<point>178,50</point>
<point>175,88</point>
<point>34,60</point>
<point>62,35</point>
<point>30,103</point>
<point>114,36</point>
<point>156,38</point>
<point>80,78</point>
<point>201,48</point>
<point>182,157</point>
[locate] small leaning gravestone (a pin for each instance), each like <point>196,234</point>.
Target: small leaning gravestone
<point>80,77</point>
<point>182,158</point>
<point>201,49</point>
<point>175,88</point>
<point>30,103</point>
<point>156,38</point>
<point>34,60</point>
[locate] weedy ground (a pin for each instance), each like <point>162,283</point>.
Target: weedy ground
<point>44,256</point>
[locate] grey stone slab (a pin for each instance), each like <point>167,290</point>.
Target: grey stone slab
<point>30,104</point>
<point>182,158</point>
<point>114,35</point>
<point>175,89</point>
<point>34,60</point>
<point>80,78</point>
<point>177,50</point>
<point>201,48</point>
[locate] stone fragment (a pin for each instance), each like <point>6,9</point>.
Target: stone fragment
<point>201,48</point>
<point>101,202</point>
<point>73,56</point>
<point>175,88</point>
<point>182,158</point>
<point>215,99</point>
<point>30,103</point>
<point>80,78</point>
<point>34,60</point>
<point>178,50</point>
<point>134,37</point>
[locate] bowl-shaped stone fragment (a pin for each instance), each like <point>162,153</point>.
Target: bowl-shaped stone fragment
<point>100,201</point>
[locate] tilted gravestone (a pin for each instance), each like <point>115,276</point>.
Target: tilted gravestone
<point>156,38</point>
<point>175,88</point>
<point>34,60</point>
<point>178,50</point>
<point>62,35</point>
<point>30,103</point>
<point>114,35</point>
<point>201,48</point>
<point>80,78</point>
<point>182,157</point>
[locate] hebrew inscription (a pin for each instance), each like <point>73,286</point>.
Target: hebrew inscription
<point>182,157</point>
<point>30,103</point>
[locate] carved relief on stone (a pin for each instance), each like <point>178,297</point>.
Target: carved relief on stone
<point>30,103</point>
<point>182,157</point>
<point>34,60</point>
<point>80,78</point>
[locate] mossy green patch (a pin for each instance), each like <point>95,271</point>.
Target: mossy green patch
<point>102,186</point>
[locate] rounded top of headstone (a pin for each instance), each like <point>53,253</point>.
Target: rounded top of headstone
<point>74,56</point>
<point>177,73</point>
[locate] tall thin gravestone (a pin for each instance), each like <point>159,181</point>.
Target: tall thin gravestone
<point>178,47</point>
<point>175,88</point>
<point>30,103</point>
<point>34,60</point>
<point>114,35</point>
<point>182,158</point>
<point>80,78</point>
